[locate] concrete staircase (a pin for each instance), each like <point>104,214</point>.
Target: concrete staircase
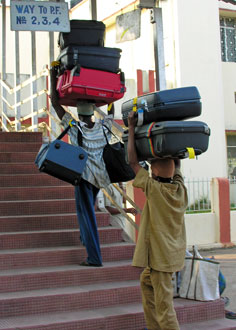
<point>42,286</point>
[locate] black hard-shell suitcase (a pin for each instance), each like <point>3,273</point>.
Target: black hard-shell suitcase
<point>83,32</point>
<point>92,57</point>
<point>176,139</point>
<point>171,104</point>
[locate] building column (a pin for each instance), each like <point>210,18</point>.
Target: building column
<point>221,208</point>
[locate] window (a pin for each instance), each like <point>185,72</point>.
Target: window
<point>231,155</point>
<point>228,39</point>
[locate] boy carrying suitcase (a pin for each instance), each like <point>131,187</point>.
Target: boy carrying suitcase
<point>161,244</point>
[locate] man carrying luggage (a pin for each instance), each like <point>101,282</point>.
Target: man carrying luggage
<point>161,244</point>
<point>94,175</point>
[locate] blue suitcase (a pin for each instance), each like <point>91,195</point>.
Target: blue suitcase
<point>62,160</point>
<point>170,104</point>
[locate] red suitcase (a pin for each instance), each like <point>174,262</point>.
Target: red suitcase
<point>100,87</point>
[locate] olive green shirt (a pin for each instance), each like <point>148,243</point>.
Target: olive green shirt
<point>161,241</point>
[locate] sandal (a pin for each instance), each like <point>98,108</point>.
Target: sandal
<point>85,263</point>
<point>226,300</point>
<point>230,315</point>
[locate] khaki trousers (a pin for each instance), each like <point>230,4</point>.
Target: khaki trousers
<point>157,297</point>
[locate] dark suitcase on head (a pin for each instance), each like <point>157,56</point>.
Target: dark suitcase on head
<point>100,87</point>
<point>83,32</point>
<point>176,139</point>
<point>99,58</point>
<point>171,104</point>
<point>62,160</point>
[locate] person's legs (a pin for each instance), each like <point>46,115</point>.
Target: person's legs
<point>85,196</point>
<point>163,296</point>
<point>148,300</point>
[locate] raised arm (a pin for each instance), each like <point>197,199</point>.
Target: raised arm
<point>54,95</point>
<point>132,153</point>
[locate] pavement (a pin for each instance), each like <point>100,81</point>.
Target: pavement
<point>227,259</point>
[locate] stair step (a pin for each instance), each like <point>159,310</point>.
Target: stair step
<point>70,237</point>
<point>59,256</point>
<point>20,146</point>
<point>31,207</point>
<point>73,275</point>
<point>13,157</point>
<point>220,324</point>
<point>190,311</point>
<point>29,180</point>
<point>47,222</point>
<point>36,193</point>
<point>18,168</point>
<point>21,137</point>
<point>69,298</point>
<point>121,317</point>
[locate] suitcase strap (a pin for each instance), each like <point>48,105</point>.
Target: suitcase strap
<point>191,153</point>
<point>148,135</point>
<point>72,122</point>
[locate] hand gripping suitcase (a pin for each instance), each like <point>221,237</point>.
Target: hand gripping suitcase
<point>171,104</point>
<point>175,139</point>
<point>83,32</point>
<point>98,58</point>
<point>100,87</point>
<point>62,160</point>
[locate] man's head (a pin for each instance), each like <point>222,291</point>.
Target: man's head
<point>85,108</point>
<point>163,167</point>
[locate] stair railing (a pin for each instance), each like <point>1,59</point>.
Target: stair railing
<point>133,223</point>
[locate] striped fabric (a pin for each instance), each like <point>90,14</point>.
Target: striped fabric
<point>93,142</point>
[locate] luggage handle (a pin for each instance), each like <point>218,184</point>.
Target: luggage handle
<point>76,70</point>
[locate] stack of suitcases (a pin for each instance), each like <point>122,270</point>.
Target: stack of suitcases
<point>161,128</point>
<point>88,70</point>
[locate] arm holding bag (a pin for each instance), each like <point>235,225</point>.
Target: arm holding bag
<point>114,158</point>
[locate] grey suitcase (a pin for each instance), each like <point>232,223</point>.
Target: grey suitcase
<point>175,139</point>
<point>171,104</point>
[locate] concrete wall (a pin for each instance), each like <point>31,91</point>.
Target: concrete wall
<point>201,229</point>
<point>233,226</point>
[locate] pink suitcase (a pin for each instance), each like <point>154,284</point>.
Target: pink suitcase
<point>100,87</point>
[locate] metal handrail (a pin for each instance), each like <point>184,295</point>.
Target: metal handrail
<point>133,223</point>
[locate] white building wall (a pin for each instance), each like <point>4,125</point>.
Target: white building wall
<point>198,63</point>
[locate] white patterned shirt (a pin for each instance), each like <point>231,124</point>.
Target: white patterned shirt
<point>93,142</point>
